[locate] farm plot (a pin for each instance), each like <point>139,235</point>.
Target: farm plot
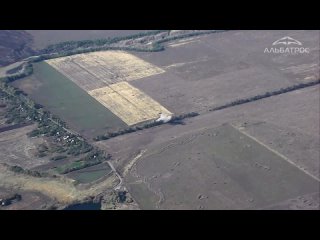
<point>128,103</point>
<point>67,100</point>
<point>219,168</point>
<point>105,76</point>
<point>98,69</point>
<point>221,68</point>
<point>91,174</point>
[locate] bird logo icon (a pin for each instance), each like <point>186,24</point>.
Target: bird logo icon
<point>286,41</point>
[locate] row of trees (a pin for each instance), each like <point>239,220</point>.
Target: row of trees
<point>26,70</point>
<point>32,173</point>
<point>265,95</point>
<point>158,44</point>
<point>72,45</point>
<point>142,126</point>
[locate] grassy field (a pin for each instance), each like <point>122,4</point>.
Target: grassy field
<point>90,174</point>
<point>65,99</point>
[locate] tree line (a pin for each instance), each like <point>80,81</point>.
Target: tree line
<point>142,126</point>
<point>266,95</point>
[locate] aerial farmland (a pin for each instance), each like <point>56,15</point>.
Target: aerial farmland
<point>163,120</point>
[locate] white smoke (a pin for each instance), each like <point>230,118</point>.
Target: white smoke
<point>164,118</point>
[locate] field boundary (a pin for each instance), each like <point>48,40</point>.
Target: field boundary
<point>275,152</point>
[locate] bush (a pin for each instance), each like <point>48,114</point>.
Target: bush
<point>59,157</point>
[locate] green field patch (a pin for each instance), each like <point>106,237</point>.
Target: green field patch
<point>90,174</point>
<point>74,166</point>
<point>68,101</point>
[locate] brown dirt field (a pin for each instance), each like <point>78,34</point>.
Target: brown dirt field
<point>223,67</point>
<point>218,168</point>
<point>16,148</point>
<point>287,124</point>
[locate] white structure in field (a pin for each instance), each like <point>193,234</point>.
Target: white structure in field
<point>164,118</point>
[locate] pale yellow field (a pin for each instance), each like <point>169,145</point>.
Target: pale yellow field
<point>99,69</point>
<point>128,103</point>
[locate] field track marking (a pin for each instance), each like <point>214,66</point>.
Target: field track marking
<point>275,152</point>
<point>132,162</point>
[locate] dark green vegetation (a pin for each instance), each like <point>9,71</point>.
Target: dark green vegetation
<point>57,158</point>
<point>19,109</point>
<point>174,120</point>
<point>10,199</point>
<point>25,70</point>
<point>93,158</point>
<point>219,168</point>
<point>84,206</point>
<point>33,173</point>
<point>64,98</point>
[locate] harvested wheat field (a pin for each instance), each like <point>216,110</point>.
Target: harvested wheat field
<point>128,103</point>
<point>98,69</point>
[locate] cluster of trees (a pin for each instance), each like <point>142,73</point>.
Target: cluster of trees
<point>46,128</point>
<point>93,158</point>
<point>79,147</point>
<point>42,150</point>
<point>142,126</point>
<point>267,94</point>
<point>18,108</point>
<point>63,141</point>
<point>33,173</point>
